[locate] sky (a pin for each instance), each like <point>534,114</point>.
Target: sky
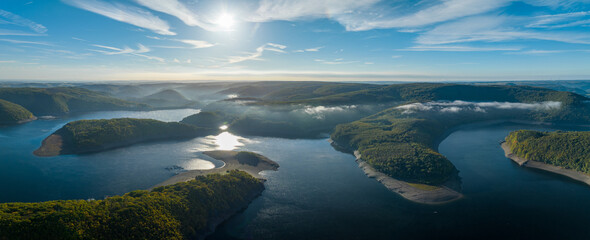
<point>331,40</point>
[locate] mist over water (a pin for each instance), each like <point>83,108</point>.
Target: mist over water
<point>481,107</point>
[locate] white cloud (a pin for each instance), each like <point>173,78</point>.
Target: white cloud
<point>269,10</point>
<point>337,61</point>
<point>179,10</point>
<point>126,50</point>
<point>20,21</point>
<point>198,43</point>
<point>6,32</point>
<point>25,42</point>
<point>316,49</point>
<point>447,48</point>
<point>256,55</point>
<point>124,13</point>
<point>492,29</point>
<point>434,13</point>
<point>563,20</point>
<point>459,106</point>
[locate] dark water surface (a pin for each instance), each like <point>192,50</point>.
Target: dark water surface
<point>318,193</point>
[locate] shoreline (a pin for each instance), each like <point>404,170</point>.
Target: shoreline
<point>229,163</point>
<point>440,195</point>
<point>573,174</point>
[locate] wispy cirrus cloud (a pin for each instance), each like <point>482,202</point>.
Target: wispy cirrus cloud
<point>7,32</point>
<point>337,61</point>
<point>492,29</point>
<point>440,11</point>
<point>316,49</point>
<point>270,10</point>
<point>124,13</point>
<point>258,53</point>
<point>448,48</point>
<point>11,18</point>
<point>25,42</point>
<point>198,43</point>
<point>562,20</point>
<point>178,10</point>
<point>126,50</point>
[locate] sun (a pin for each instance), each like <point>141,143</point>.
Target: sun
<point>225,21</point>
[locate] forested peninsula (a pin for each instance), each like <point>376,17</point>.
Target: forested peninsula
<point>185,210</point>
<point>87,136</point>
<point>402,141</point>
<point>565,153</point>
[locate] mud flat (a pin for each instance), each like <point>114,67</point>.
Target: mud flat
<point>249,162</point>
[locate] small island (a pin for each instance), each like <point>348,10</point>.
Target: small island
<point>86,136</point>
<point>249,162</point>
<point>564,153</point>
<point>12,113</point>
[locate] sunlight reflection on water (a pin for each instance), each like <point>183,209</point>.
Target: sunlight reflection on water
<point>223,141</point>
<point>198,164</point>
<point>228,141</point>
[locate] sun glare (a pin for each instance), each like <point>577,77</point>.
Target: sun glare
<point>225,21</point>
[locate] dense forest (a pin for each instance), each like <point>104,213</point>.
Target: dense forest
<point>62,100</point>
<point>569,150</point>
<point>423,92</point>
<point>11,113</point>
<point>96,135</point>
<point>181,211</point>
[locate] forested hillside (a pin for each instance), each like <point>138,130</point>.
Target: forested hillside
<point>569,150</point>
<point>61,100</point>
<point>11,113</point>
<point>181,211</point>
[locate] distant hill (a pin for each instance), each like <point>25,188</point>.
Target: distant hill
<point>86,136</point>
<point>62,100</point>
<point>421,92</point>
<point>167,99</point>
<point>211,120</point>
<point>11,113</point>
<point>290,91</point>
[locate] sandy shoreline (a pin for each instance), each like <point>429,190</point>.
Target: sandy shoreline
<point>573,174</point>
<point>230,163</point>
<point>440,195</point>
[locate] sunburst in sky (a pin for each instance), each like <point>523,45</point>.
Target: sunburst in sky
<point>432,40</point>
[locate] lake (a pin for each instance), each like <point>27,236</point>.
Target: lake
<point>318,193</point>
<point>321,194</point>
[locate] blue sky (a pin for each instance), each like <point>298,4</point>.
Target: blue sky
<point>426,40</point>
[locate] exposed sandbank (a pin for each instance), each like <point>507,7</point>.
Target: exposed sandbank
<point>231,163</point>
<point>438,195</point>
<point>573,174</point>
<point>51,146</point>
